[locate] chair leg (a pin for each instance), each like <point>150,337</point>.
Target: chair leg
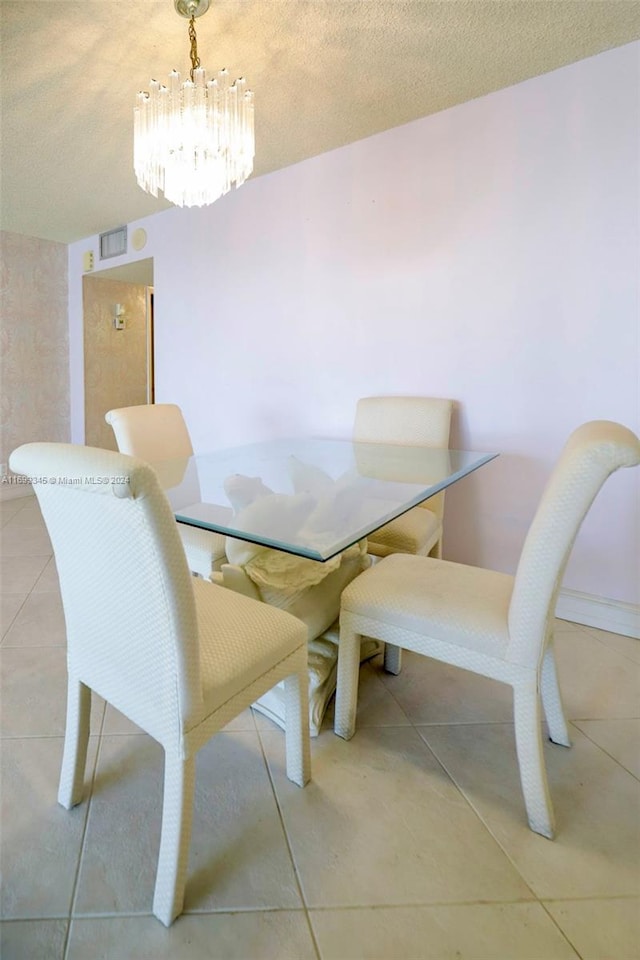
<point>552,700</point>
<point>347,685</point>
<point>297,742</point>
<point>177,815</point>
<point>76,739</point>
<point>533,774</point>
<point>392,659</point>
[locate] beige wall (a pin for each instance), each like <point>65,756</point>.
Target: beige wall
<point>115,361</point>
<point>34,342</point>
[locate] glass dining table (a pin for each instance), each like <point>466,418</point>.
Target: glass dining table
<point>304,509</point>
<point>326,494</point>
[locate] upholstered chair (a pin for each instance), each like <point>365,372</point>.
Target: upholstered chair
<point>416,421</point>
<point>177,655</point>
<point>157,432</point>
<point>490,623</point>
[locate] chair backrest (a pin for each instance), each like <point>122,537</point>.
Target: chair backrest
<point>415,421</point>
<point>420,421</point>
<point>151,431</point>
<point>126,589</point>
<point>592,453</point>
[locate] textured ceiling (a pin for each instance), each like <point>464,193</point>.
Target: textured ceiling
<point>324,73</point>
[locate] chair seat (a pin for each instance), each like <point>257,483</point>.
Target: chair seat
<point>451,602</point>
<point>414,532</point>
<point>223,615</point>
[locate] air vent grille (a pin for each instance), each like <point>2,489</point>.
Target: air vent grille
<point>113,243</point>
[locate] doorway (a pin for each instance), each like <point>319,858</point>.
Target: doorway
<point>118,305</point>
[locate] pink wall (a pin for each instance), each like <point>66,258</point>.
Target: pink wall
<point>488,253</point>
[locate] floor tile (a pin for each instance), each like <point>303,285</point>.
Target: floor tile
<point>430,691</point>
<point>33,939</point>
<point>9,508</point>
<point>600,929</point>
<point>10,603</point>
<point>19,574</point>
<point>626,646</point>
<point>48,581</point>
<point>39,623</point>
<point>19,540</point>
<point>597,806</point>
<point>380,823</point>
<point>596,682</point>
<point>619,738</point>
<point>40,840</point>
<point>510,931</point>
<point>33,692</point>
<point>30,515</point>
<point>239,857</point>
<point>275,935</point>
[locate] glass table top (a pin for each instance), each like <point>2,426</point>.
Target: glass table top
<point>309,497</point>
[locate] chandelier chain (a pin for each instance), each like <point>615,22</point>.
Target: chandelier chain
<point>195,59</point>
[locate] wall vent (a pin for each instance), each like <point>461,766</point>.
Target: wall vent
<point>113,243</point>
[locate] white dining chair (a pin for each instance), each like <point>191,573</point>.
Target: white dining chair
<point>490,623</point>
<point>412,421</point>
<point>157,432</point>
<point>177,655</point>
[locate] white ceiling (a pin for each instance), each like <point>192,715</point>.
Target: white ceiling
<point>324,73</point>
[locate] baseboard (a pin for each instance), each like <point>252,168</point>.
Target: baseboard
<point>612,615</point>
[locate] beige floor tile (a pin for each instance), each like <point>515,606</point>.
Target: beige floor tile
<point>29,516</point>
<point>277,935</point>
<point>33,939</point>
<point>10,603</point>
<point>33,692</point>
<point>18,540</point>
<point>39,623</point>
<point>380,823</point>
<point>596,681</point>
<point>619,738</point>
<point>433,692</point>
<point>600,929</point>
<point>48,581</point>
<point>40,840</point>
<point>239,857</point>
<point>509,931</point>
<point>9,508</point>
<point>626,646</point>
<point>19,574</point>
<point>567,626</point>
<point>597,805</point>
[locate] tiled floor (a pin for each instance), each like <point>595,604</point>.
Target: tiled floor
<point>410,842</point>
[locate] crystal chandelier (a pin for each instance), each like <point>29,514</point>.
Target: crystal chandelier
<point>194,139</point>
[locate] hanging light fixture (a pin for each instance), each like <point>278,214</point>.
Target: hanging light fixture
<point>194,139</point>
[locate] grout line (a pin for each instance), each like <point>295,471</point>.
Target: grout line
<point>13,620</point>
<point>562,932</point>
<point>600,747</point>
<point>288,843</point>
<point>89,799</point>
<point>333,908</point>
